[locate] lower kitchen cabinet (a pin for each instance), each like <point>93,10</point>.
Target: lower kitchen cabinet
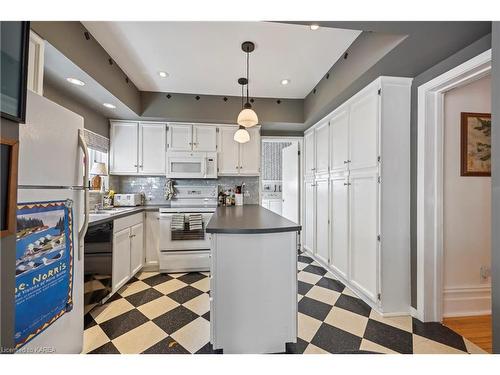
<point>128,248</point>
<point>339,196</point>
<point>322,221</point>
<point>121,258</point>
<point>136,248</point>
<point>274,205</point>
<point>309,215</point>
<point>152,240</point>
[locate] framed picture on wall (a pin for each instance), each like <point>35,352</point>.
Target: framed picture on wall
<point>9,151</point>
<point>14,69</point>
<point>475,144</point>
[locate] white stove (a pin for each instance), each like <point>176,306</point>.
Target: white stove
<point>186,250</point>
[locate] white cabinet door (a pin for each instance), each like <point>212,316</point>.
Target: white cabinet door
<point>339,141</point>
<point>322,217</point>
<point>363,131</point>
<point>180,137</point>
<point>152,144</point>
<point>266,203</point>
<point>363,204</point>
<point>309,154</point>
<point>152,240</point>
<point>204,138</point>
<point>250,154</point>
<point>124,150</point>
<point>275,206</point>
<point>136,248</point>
<point>121,258</point>
<point>339,224</point>
<point>322,150</point>
<point>228,157</point>
<point>309,215</point>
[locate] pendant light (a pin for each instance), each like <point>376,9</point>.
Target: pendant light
<point>247,116</point>
<point>242,135</point>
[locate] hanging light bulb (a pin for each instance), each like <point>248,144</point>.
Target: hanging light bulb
<point>247,116</point>
<point>241,135</point>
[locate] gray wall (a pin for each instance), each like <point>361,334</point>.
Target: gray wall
<point>68,37</point>
<point>286,116</point>
<point>10,130</point>
<point>495,249</point>
<point>93,120</point>
<point>454,60</point>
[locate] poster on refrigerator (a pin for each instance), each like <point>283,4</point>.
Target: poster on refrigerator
<point>44,266</point>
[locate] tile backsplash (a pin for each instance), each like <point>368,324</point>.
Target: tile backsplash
<point>154,187</point>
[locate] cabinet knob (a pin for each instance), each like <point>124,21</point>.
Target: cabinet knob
<point>135,165</point>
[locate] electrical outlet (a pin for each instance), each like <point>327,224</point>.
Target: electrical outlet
<point>485,273</point>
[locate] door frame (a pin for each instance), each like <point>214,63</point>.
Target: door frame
<point>300,141</point>
<point>430,125</point>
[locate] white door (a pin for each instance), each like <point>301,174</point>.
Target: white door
<point>124,148</point>
<point>363,205</point>
<point>275,206</point>
<point>152,144</point>
<point>136,248</point>
<point>363,131</point>
<point>204,138</point>
<point>339,141</point>
<point>309,154</point>
<point>266,203</point>
<point>322,220</point>
<point>322,154</point>
<point>152,238</point>
<point>121,258</point>
<point>290,182</point>
<point>180,137</point>
<point>309,215</point>
<point>339,224</point>
<point>250,154</point>
<point>228,157</point>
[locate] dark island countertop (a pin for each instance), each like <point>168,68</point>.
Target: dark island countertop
<point>249,219</point>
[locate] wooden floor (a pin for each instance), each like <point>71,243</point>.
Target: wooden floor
<point>475,328</point>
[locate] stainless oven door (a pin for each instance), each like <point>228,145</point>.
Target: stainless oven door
<point>179,242</point>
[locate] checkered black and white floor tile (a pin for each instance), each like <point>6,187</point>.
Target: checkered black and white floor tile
<point>169,313</point>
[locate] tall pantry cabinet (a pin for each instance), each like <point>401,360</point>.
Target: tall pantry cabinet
<point>363,235</point>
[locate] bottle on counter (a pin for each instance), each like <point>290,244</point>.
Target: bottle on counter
<point>233,199</point>
<point>228,197</point>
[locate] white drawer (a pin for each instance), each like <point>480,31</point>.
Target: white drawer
<point>127,221</point>
<point>184,261</point>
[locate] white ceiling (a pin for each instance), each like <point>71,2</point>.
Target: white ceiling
<point>206,57</point>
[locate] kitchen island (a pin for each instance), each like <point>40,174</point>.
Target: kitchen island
<point>253,284</point>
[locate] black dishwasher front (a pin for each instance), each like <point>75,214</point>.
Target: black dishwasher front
<point>98,264</point>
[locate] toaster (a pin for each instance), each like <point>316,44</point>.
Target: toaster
<point>120,200</point>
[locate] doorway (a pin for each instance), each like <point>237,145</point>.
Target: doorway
<point>430,182</point>
<point>466,289</point>
<point>281,175</point>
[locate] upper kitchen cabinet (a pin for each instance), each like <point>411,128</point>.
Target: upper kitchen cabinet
<point>235,158</point>
<point>192,137</point>
<point>309,153</point>
<point>124,142</point>
<point>339,133</point>
<point>152,148</point>
<point>137,148</point>
<point>322,147</point>
<point>250,154</point>
<point>204,138</point>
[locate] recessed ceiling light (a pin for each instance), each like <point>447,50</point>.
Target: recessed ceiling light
<point>314,26</point>
<point>163,74</point>
<point>285,82</point>
<point>109,105</point>
<point>75,81</point>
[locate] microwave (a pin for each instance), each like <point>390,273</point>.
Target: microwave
<point>187,164</point>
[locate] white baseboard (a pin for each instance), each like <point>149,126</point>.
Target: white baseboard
<point>467,301</point>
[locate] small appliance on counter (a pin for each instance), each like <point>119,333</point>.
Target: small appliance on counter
<point>127,200</point>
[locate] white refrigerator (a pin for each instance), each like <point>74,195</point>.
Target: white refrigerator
<point>53,161</point>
